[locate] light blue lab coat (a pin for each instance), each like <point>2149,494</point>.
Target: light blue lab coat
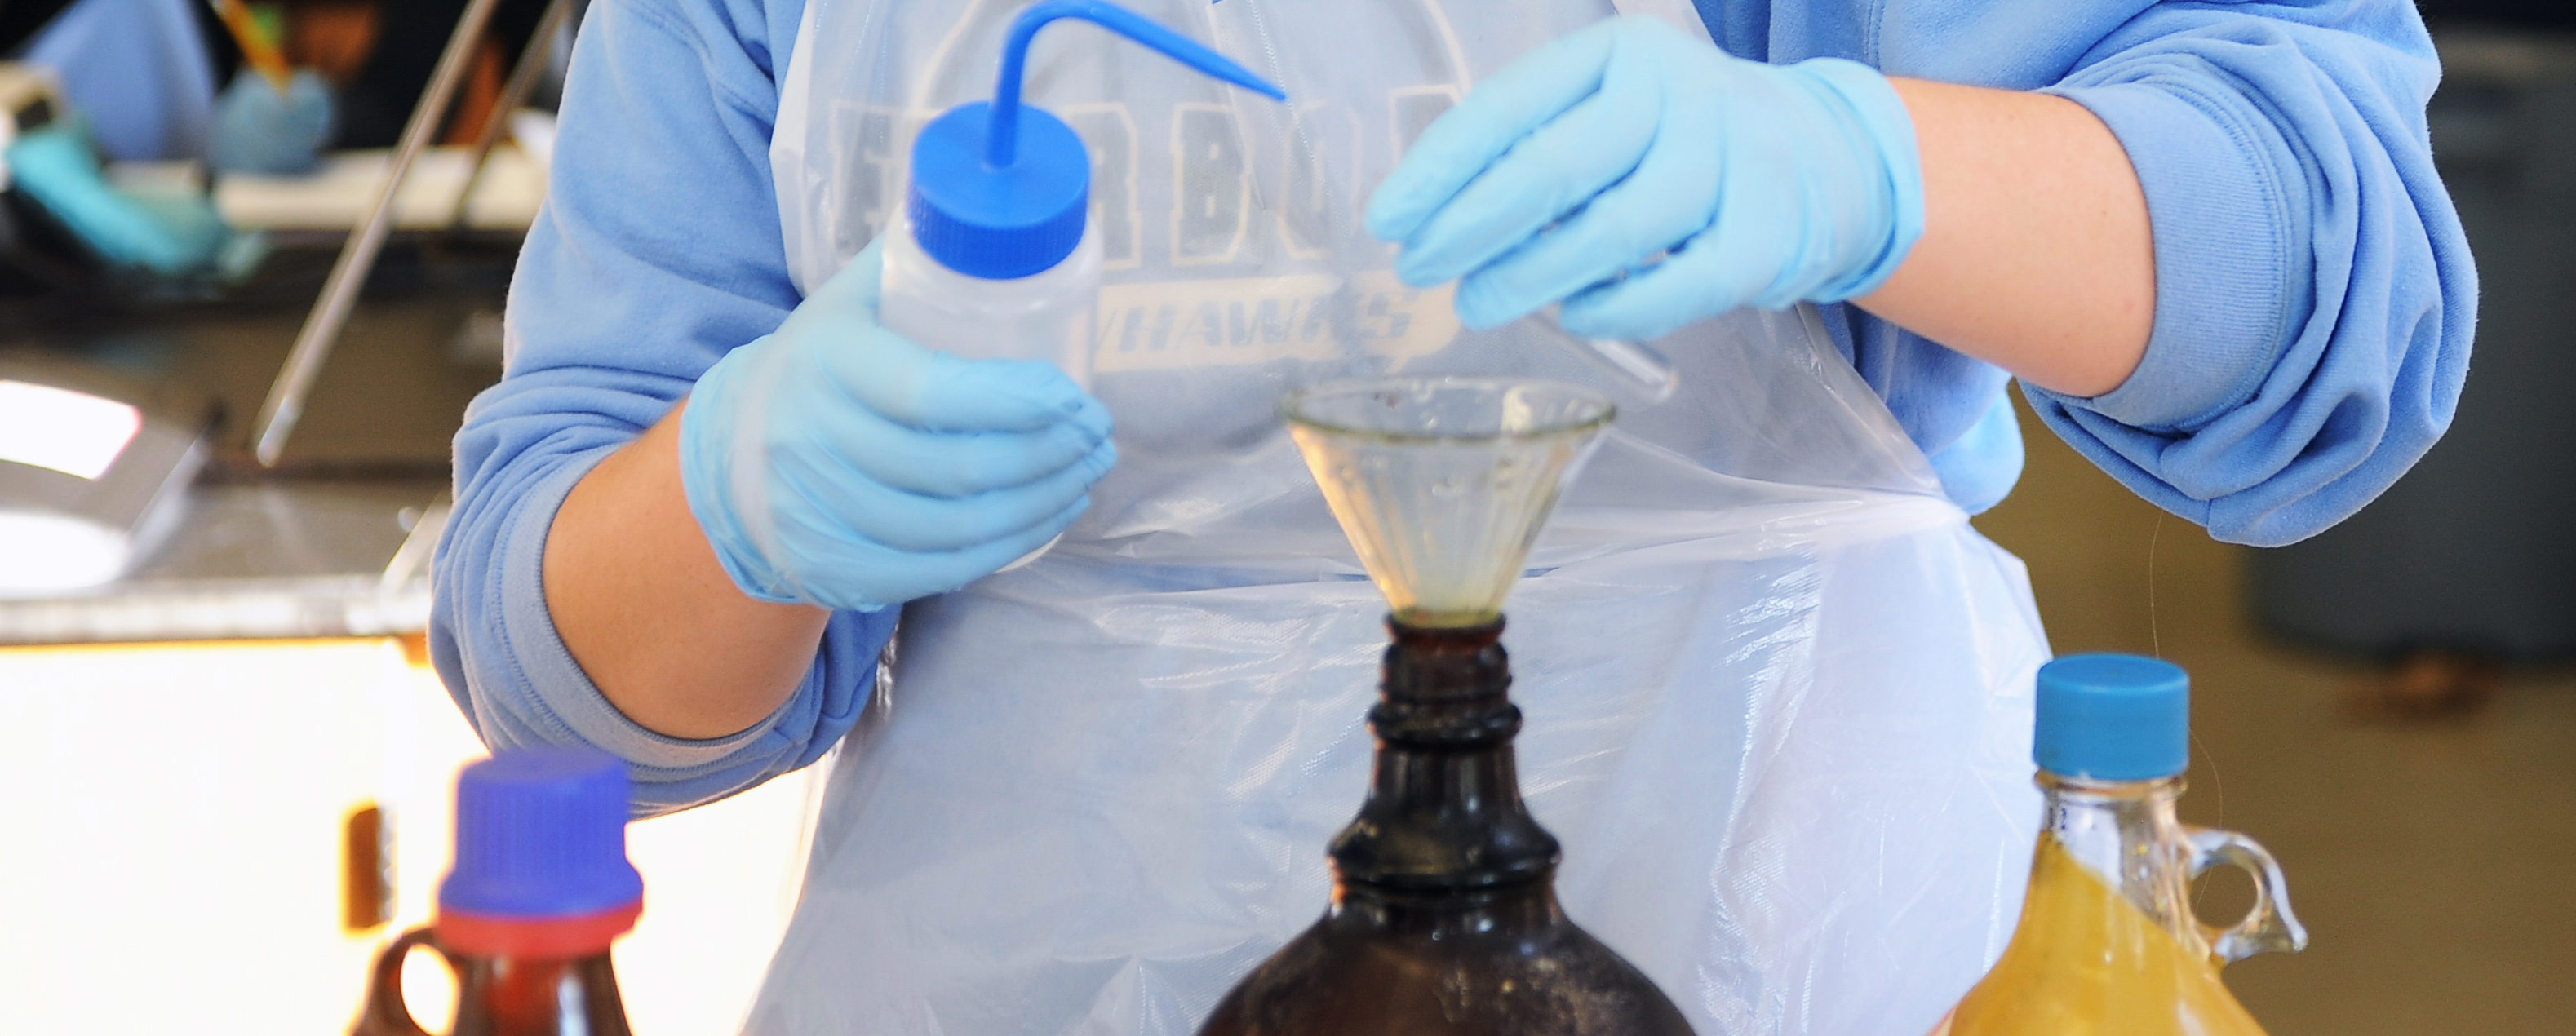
<point>2314,305</point>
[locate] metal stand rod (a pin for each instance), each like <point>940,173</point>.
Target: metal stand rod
<point>285,404</point>
<point>523,78</point>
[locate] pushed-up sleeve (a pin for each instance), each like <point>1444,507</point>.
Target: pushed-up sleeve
<point>656,252</point>
<point>2315,294</point>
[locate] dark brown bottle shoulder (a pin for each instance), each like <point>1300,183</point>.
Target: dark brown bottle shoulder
<point>1555,980</point>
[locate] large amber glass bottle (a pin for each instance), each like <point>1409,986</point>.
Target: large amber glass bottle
<point>1444,917</point>
<point>2107,944</point>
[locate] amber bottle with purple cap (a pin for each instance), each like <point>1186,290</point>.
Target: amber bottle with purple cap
<point>540,887</point>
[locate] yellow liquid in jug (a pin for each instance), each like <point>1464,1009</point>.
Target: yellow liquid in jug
<point>2087,963</point>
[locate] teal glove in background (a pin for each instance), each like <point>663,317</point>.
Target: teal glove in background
<point>836,463</point>
<point>1648,180</point>
<point>260,130</point>
<point>55,166</point>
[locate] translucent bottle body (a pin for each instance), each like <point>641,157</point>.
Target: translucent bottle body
<point>1048,315</point>
<point>2107,944</point>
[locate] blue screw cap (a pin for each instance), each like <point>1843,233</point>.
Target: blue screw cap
<point>998,222</point>
<point>1001,190</point>
<point>2113,718</point>
<point>541,833</point>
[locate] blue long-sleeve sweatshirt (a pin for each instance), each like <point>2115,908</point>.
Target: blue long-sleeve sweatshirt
<point>2314,299</point>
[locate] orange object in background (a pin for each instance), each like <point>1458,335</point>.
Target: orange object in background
<point>332,37</point>
<point>478,100</point>
<point>335,38</point>
<point>257,49</point>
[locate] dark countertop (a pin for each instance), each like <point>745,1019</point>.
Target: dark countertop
<point>295,559</point>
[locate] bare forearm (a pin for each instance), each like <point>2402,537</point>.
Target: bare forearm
<point>640,600</point>
<point>2036,255</point>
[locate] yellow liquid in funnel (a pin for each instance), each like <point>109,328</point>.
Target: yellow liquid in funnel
<point>2086,962</point>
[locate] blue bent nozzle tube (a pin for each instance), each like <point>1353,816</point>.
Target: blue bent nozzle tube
<point>1002,139</point>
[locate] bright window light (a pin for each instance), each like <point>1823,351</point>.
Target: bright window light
<point>71,432</point>
<point>43,552</point>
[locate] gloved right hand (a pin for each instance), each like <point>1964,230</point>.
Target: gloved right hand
<point>1648,180</point>
<point>259,129</point>
<point>836,463</point>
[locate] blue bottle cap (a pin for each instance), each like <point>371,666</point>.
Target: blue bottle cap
<point>541,833</point>
<point>2113,718</point>
<point>1000,190</point>
<point>1003,222</point>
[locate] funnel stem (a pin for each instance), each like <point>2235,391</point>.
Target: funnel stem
<point>1002,139</point>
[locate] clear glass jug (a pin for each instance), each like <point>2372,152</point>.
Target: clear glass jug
<point>2107,944</point>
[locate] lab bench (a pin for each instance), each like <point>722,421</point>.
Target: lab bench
<point>262,561</point>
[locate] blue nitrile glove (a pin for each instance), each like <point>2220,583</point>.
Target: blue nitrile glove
<point>259,130</point>
<point>55,167</point>
<point>836,463</point>
<point>1571,173</point>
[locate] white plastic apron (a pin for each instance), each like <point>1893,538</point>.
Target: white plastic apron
<point>1778,691</point>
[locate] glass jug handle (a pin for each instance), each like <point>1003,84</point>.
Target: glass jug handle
<point>2269,926</point>
<point>385,1012</point>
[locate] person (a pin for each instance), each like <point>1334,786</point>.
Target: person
<point>138,70</point>
<point>137,78</point>
<point>143,73</point>
<point>1775,682</point>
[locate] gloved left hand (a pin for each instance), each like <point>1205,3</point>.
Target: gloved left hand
<point>56,167</point>
<point>1649,180</point>
<point>259,129</point>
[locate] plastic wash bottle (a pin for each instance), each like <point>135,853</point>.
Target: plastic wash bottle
<point>2107,944</point>
<point>992,258</point>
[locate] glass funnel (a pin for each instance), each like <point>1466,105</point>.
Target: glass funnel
<point>1442,483</point>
